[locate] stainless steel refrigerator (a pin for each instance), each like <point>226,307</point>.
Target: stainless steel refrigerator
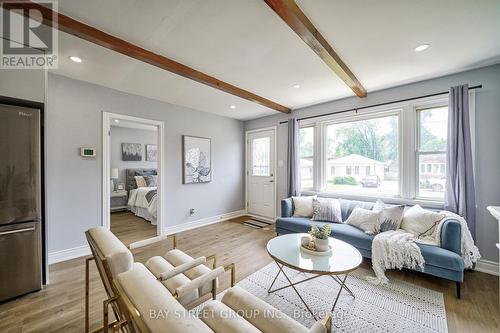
<point>20,201</point>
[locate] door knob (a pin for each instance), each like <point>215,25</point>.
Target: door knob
<point>271,181</point>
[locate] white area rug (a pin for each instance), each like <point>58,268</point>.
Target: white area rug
<point>397,307</point>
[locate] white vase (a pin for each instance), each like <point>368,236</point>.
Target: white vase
<point>321,244</point>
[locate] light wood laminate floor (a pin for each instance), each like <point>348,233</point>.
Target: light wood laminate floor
<point>59,307</point>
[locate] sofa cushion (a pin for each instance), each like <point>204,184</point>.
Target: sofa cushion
<point>326,209</point>
<point>221,318</point>
<point>439,257</point>
<point>118,256</point>
<point>149,296</point>
<point>366,220</point>
<point>303,206</point>
<point>158,265</point>
<point>259,313</point>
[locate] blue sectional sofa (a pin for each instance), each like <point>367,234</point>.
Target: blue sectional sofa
<point>444,262</point>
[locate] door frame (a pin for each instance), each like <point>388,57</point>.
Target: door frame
<point>275,130</point>
<point>106,165</point>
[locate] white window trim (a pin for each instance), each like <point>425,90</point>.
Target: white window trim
<point>408,166</point>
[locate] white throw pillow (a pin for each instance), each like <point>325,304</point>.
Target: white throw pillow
<point>140,181</point>
<point>364,219</point>
<point>420,222</point>
<point>303,206</point>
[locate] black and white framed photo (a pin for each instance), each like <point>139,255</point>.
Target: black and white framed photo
<point>151,153</point>
<point>131,152</point>
<point>197,160</point>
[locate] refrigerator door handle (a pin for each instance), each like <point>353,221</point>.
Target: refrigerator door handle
<point>16,231</point>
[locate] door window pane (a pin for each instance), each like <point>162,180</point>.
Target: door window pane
<point>371,145</point>
<point>261,161</point>
<point>306,152</point>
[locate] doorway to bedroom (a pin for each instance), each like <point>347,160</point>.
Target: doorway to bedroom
<point>132,177</point>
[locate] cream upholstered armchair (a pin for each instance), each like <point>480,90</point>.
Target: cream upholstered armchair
<point>187,279</point>
<point>150,308</point>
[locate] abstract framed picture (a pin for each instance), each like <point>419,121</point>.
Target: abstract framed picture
<point>131,152</point>
<point>197,160</point>
<point>151,153</point>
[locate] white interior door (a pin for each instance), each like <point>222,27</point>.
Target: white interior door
<point>261,157</point>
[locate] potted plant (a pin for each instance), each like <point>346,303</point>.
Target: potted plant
<point>320,236</point>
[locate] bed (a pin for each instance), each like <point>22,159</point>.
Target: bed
<point>142,201</point>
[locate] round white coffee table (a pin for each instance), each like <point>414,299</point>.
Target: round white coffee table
<point>285,250</point>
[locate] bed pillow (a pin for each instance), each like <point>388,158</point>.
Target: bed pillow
<point>140,181</point>
<point>151,181</point>
<point>364,219</point>
<point>303,206</point>
<point>390,216</point>
<point>421,222</point>
<point>326,209</point>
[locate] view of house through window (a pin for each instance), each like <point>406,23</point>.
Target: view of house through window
<point>431,155</point>
<point>306,152</point>
<point>362,157</point>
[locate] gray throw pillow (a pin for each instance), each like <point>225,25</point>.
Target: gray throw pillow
<point>326,209</point>
<point>151,181</point>
<point>390,217</point>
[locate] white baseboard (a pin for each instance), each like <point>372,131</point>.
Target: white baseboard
<point>204,222</point>
<point>68,254</point>
<point>487,266</point>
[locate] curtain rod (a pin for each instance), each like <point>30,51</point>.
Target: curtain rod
<point>479,86</point>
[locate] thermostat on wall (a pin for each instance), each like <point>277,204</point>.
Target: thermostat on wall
<point>87,152</point>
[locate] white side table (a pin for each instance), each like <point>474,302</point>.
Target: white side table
<point>118,200</point>
<point>495,211</point>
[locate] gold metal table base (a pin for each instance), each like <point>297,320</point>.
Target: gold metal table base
<point>335,278</point>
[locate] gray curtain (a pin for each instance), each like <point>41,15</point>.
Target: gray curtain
<point>460,192</point>
<point>293,158</point>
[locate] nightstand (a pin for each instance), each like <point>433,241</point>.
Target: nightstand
<point>118,200</point>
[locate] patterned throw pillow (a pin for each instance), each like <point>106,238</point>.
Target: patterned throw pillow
<point>390,217</point>
<point>326,209</point>
<point>140,181</point>
<point>151,181</point>
<point>421,222</point>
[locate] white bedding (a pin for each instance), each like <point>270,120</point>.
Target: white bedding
<point>138,204</point>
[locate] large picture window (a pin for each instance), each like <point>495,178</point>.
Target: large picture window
<point>398,151</point>
<point>364,155</point>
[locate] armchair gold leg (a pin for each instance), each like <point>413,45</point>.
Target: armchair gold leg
<point>87,293</point>
<point>105,315</point>
<point>327,322</point>
<point>174,240</point>
<point>232,268</point>
<point>214,262</point>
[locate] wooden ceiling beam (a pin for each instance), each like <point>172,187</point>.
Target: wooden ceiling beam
<point>101,38</point>
<point>293,16</point>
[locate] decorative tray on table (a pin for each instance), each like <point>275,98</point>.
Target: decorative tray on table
<point>316,253</point>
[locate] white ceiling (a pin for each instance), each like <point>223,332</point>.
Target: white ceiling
<point>243,42</point>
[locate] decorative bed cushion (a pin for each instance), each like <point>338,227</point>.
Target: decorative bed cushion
<point>326,209</point>
<point>390,217</point>
<point>364,219</point>
<point>421,222</point>
<point>303,206</point>
<point>140,181</point>
<point>151,181</point>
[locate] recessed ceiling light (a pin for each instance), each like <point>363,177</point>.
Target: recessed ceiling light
<point>232,107</point>
<point>296,86</point>
<point>421,48</point>
<point>117,121</point>
<point>76,59</point>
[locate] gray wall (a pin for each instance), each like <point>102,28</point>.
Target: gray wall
<point>486,146</point>
<point>74,119</point>
<point>121,135</point>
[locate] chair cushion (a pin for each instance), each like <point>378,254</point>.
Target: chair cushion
<point>221,318</point>
<point>439,257</point>
<point>149,296</point>
<point>176,257</point>
<point>158,265</point>
<point>118,256</point>
<point>260,314</point>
